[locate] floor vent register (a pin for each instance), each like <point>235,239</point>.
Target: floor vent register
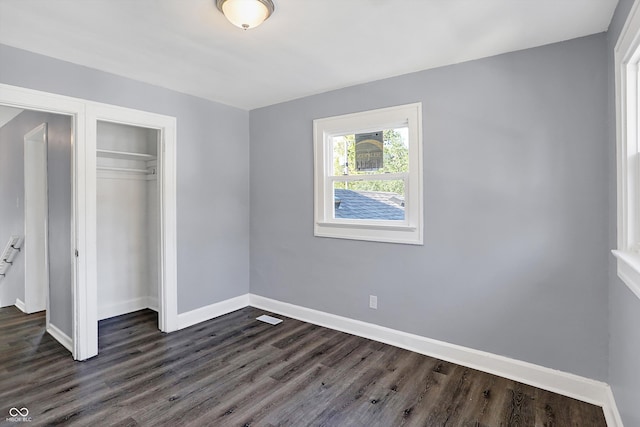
<point>269,319</point>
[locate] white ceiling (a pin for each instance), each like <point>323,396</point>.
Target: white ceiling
<point>306,47</point>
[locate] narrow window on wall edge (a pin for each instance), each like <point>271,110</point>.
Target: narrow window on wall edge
<point>368,175</point>
<point>627,92</point>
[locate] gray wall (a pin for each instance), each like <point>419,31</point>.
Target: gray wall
<point>515,195</point>
<point>624,306</point>
<point>212,169</point>
<point>12,213</point>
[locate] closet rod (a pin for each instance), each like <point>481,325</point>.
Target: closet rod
<point>105,168</point>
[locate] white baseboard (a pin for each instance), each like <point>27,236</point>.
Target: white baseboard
<point>20,305</point>
<point>106,311</point>
<point>208,312</point>
<point>61,337</point>
<point>575,386</point>
<point>152,304</point>
<point>611,412</point>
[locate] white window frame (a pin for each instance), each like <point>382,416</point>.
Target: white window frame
<point>409,231</point>
<point>627,61</point>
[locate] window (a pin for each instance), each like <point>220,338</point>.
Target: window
<point>627,59</point>
<point>368,175</point>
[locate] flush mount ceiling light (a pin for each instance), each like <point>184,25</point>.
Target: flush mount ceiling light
<point>246,14</point>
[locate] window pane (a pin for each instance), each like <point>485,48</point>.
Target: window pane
<point>372,199</point>
<point>385,151</point>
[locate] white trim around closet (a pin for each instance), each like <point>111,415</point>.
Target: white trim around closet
<point>168,298</point>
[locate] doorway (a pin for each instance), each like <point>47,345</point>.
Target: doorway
<point>36,187</point>
<point>153,157</point>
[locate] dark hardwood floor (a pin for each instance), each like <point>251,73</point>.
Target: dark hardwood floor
<point>236,371</point>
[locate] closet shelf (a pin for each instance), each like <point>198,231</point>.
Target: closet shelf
<point>124,155</point>
<point>129,170</point>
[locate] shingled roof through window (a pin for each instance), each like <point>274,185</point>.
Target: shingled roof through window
<point>376,205</point>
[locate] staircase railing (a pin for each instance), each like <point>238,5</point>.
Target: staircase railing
<point>9,254</point>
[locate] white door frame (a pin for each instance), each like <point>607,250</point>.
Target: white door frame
<point>84,274</point>
<point>36,221</point>
<point>167,274</point>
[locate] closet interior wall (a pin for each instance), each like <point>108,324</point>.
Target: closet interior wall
<point>127,219</point>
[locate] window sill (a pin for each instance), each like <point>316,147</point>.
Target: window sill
<point>369,226</point>
<point>629,269</point>
<point>371,232</point>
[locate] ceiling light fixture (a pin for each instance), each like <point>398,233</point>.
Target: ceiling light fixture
<point>246,14</point>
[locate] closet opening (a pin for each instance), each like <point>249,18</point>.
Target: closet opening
<point>36,217</point>
<point>128,219</point>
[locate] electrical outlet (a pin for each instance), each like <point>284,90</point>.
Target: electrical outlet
<point>373,301</point>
